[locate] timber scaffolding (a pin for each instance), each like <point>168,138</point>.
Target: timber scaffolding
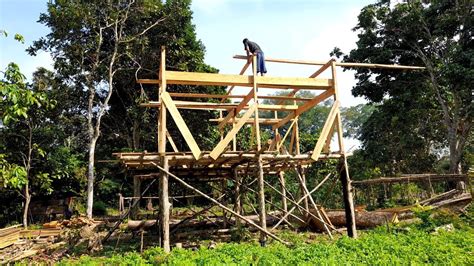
<point>226,161</point>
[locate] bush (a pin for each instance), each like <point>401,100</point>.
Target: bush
<point>99,208</point>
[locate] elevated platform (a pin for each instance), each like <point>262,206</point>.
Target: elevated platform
<point>184,162</point>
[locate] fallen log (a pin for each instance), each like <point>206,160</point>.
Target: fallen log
<point>363,219</point>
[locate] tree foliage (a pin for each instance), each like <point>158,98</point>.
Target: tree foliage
<point>437,35</point>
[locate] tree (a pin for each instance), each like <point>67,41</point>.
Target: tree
<point>88,41</point>
<point>435,34</point>
<point>22,105</point>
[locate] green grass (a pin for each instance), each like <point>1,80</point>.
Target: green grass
<point>376,247</point>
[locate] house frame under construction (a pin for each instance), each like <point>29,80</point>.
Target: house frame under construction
<point>226,162</point>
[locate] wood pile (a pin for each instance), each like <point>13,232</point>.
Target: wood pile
<point>454,200</point>
<point>9,235</point>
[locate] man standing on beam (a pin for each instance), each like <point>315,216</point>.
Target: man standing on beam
<point>253,48</point>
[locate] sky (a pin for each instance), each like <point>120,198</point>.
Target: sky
<point>291,29</point>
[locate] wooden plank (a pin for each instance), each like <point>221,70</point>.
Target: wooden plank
<point>255,99</point>
<point>318,63</point>
<point>223,143</point>
<point>262,121</point>
<point>223,96</point>
<point>173,145</point>
<point>242,71</point>
<point>325,131</point>
<point>183,128</point>
<point>340,138</point>
<point>224,106</point>
<point>303,108</point>
<point>213,79</point>
<point>234,112</point>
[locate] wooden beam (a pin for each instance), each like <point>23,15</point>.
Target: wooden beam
<point>222,96</point>
<point>325,131</point>
<point>173,145</point>
<point>255,99</point>
<point>164,208</point>
<point>223,143</point>
<point>213,79</point>
<point>183,128</point>
<point>303,108</point>
<point>221,106</point>
<point>234,112</point>
<point>319,63</point>
<point>242,71</point>
<point>162,116</point>
<point>347,198</point>
<point>263,121</point>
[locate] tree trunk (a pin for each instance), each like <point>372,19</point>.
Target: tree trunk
<point>27,205</point>
<point>90,176</point>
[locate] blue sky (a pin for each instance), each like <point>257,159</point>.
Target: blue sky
<point>292,29</point>
<point>297,29</point>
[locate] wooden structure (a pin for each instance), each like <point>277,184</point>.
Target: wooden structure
<point>226,161</point>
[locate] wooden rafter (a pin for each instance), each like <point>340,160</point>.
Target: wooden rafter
<point>183,128</point>
<point>305,107</point>
<point>223,143</point>
<point>222,96</point>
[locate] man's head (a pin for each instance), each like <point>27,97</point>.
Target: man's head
<point>245,41</point>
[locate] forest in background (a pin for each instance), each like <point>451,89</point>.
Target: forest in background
<point>59,130</point>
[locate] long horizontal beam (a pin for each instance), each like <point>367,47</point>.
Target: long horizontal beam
<point>320,63</point>
<point>223,106</point>
<point>264,121</point>
<point>212,79</point>
<point>222,96</point>
<point>305,107</point>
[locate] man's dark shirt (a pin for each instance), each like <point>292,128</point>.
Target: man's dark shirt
<point>253,47</point>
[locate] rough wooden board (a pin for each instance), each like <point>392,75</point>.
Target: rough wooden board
<point>212,79</point>
<point>183,128</point>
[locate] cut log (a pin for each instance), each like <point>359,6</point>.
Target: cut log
<point>363,219</point>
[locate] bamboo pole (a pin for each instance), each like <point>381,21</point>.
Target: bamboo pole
<point>281,178</point>
<point>318,212</point>
<point>220,205</point>
<point>300,200</point>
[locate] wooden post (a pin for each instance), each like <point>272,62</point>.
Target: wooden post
<point>164,200</point>
<point>224,201</point>
<point>162,117</point>
<point>261,202</point>
<point>238,196</point>
<point>348,200</point>
<point>164,208</point>
<point>281,176</point>
<point>136,195</point>
<point>302,187</point>
<point>255,98</point>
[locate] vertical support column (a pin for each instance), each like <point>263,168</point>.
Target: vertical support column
<point>261,202</point>
<point>238,196</point>
<point>255,99</point>
<point>136,195</point>
<point>164,198</point>
<point>281,177</point>
<point>224,201</point>
<point>164,207</point>
<point>343,168</point>
<point>300,171</point>
<point>348,200</point>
